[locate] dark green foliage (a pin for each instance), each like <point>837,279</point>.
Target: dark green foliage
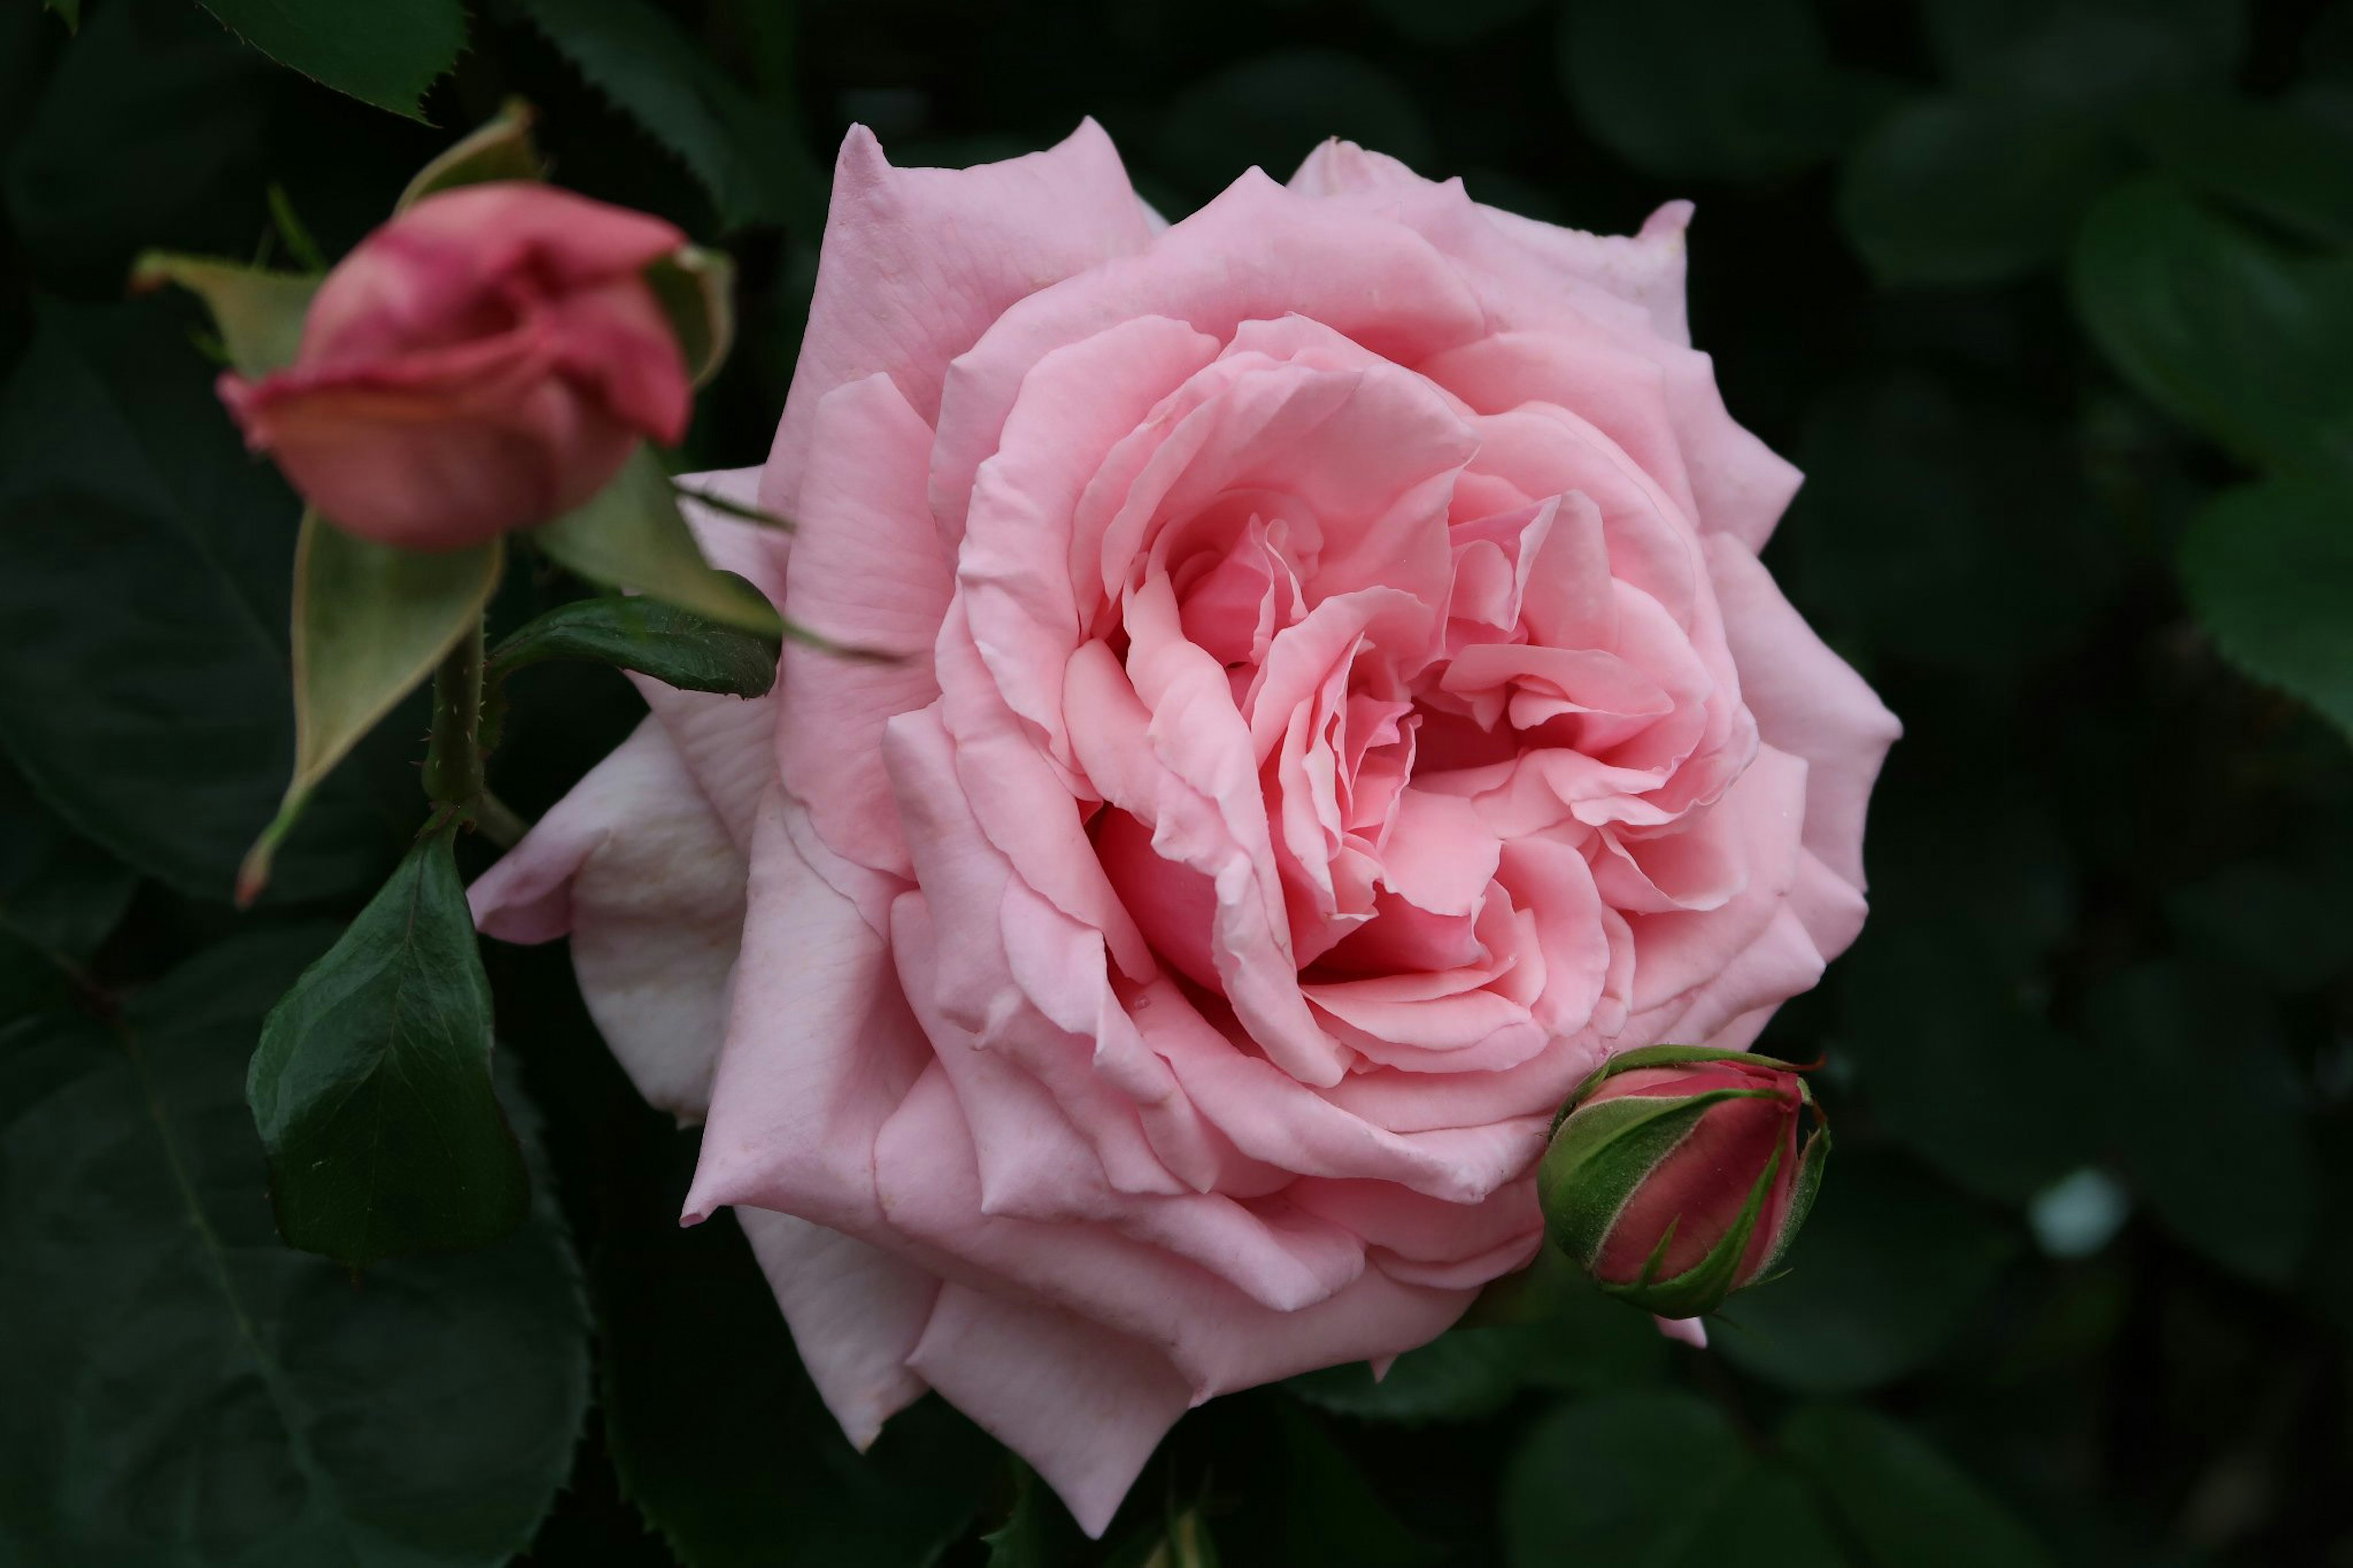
<point>718,1436</point>
<point>371,1083</point>
<point>675,647</point>
<point>2052,300</point>
<point>178,1389</point>
<point>386,52</point>
<point>144,573</point>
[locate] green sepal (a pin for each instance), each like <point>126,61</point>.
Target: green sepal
<point>1811,1161</point>
<point>371,621</point>
<point>1702,1288</point>
<point>696,288</point>
<point>500,149</point>
<point>1596,1163</point>
<point>259,313</point>
<point>630,534</point>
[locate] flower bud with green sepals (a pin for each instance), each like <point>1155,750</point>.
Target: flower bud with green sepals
<point>1676,1174</point>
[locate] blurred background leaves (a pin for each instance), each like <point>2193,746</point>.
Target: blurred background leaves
<point>2052,299</point>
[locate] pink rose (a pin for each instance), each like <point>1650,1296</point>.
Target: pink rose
<point>1342,706</point>
<point>485,361</point>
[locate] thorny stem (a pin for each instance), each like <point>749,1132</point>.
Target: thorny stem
<point>453,760</point>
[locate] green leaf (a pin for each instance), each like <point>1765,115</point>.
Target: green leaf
<point>259,314</point>
<point>143,578</point>
<point>1710,89</point>
<point>632,535</point>
<point>1187,1544</point>
<point>1918,505</point>
<point>2269,570</point>
<point>372,1084</point>
<point>750,157</point>
<point>1020,1542</point>
<point>2202,1101</point>
<point>1889,1268</point>
<point>1331,1512</point>
<point>499,149</point>
<point>1272,110</point>
<point>148,134</point>
<point>59,897</point>
<point>68,9</point>
<point>370,623</point>
<point>1935,1032</point>
<point>677,648</point>
<point>1562,1335</point>
<point>1768,1517</point>
<point>1967,190</point>
<point>2237,336</point>
<point>1453,22</point>
<point>179,1388</point>
<point>1902,1500</point>
<point>386,53</point>
<point>2280,919</point>
<point>1628,1478</point>
<point>58,890</point>
<point>2088,53</point>
<point>2271,160</point>
<point>718,1438</point>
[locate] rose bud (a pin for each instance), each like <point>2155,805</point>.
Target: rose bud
<point>1675,1175</point>
<point>485,361</point>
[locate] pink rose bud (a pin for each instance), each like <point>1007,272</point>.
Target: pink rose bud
<point>485,361</point>
<point>1676,1174</point>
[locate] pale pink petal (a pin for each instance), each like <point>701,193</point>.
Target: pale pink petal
<point>917,263</point>
<point>857,1313</point>
<point>1692,1331</point>
<point>1084,1405</point>
<point>820,1045</point>
<point>868,570</point>
<point>1676,953</point>
<point>1808,702</point>
<point>638,869</point>
<point>1215,1336</point>
<point>1015,565</point>
<point>1256,252</point>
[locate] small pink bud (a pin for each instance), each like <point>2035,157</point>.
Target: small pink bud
<point>485,361</point>
<point>1676,1174</point>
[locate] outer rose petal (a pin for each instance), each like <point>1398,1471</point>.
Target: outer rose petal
<point>856,1311</point>
<point>868,570</point>
<point>1084,1404</point>
<point>727,743</point>
<point>918,262</point>
<point>637,867</point>
<point>821,1045</point>
<point>1741,486</point>
<point>1644,270</point>
<point>1808,702</point>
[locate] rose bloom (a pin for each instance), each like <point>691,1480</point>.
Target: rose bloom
<point>485,361</point>
<point>1341,705</point>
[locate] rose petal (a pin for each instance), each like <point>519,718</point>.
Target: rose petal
<point>917,263</point>
<point>636,867</point>
<point>857,1314</point>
